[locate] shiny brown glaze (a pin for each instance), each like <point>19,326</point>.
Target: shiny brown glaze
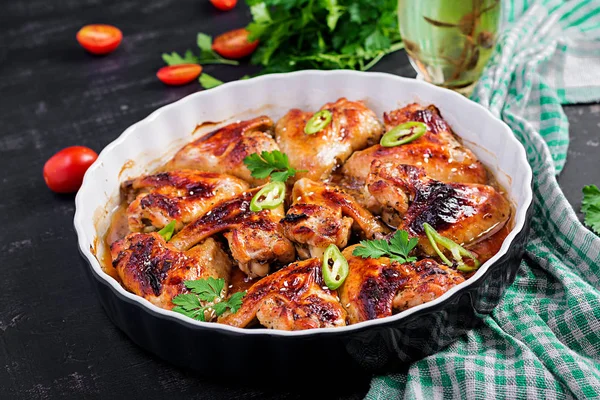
<point>322,214</point>
<point>255,238</point>
<point>182,196</point>
<point>156,271</point>
<point>464,213</point>
<point>224,149</point>
<point>376,288</point>
<point>353,127</point>
<point>293,298</point>
<point>375,184</point>
<point>438,151</point>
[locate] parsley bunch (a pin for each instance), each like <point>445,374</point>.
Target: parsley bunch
<point>209,291</point>
<point>396,249</point>
<point>323,34</point>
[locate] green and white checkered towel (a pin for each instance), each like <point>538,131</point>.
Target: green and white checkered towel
<point>543,339</point>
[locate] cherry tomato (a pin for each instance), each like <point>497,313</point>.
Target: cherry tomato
<point>179,74</point>
<point>234,44</point>
<point>99,39</point>
<point>63,172</point>
<point>224,5</point>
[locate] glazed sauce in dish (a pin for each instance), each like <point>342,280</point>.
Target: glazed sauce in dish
<point>147,261</point>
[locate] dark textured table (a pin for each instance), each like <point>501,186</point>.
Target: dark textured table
<point>55,339</point>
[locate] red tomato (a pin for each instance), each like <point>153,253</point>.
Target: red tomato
<point>63,172</point>
<point>99,39</point>
<point>234,44</point>
<point>179,74</point>
<point>224,5</point>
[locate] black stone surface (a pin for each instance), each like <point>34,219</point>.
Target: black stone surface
<point>55,339</point>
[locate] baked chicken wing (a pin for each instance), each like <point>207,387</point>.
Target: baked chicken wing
<point>224,149</point>
<point>255,238</point>
<point>321,215</point>
<point>182,196</point>
<point>377,288</point>
<point>465,213</point>
<point>353,127</point>
<point>438,152</point>
<point>293,298</point>
<point>155,270</point>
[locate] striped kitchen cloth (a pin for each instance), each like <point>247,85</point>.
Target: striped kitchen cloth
<point>543,339</point>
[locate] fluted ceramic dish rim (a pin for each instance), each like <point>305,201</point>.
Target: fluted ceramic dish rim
<point>86,243</point>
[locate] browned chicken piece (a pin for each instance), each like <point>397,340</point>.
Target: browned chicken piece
<point>377,288</point>
<point>353,127</point>
<point>255,238</point>
<point>293,298</point>
<point>438,152</point>
<point>321,215</point>
<point>155,270</point>
<point>465,213</point>
<point>182,196</point>
<point>224,150</point>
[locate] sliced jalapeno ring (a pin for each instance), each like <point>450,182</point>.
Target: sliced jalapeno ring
<point>317,122</point>
<point>334,274</point>
<point>269,197</point>
<point>403,133</point>
<point>457,250</point>
<point>167,231</point>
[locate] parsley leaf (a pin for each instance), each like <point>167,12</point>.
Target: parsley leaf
<point>396,249</point>
<point>208,82</point>
<point>207,55</point>
<point>590,205</point>
<point>210,292</point>
<point>175,59</point>
<point>270,163</point>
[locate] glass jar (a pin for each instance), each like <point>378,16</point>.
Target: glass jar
<point>449,41</point>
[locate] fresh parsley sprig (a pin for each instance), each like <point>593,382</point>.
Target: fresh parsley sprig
<point>209,291</point>
<point>270,163</point>
<point>207,55</point>
<point>590,205</point>
<point>396,249</point>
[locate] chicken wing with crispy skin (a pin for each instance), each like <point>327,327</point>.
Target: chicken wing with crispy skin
<point>182,196</point>
<point>438,152</point>
<point>155,270</point>
<point>255,238</point>
<point>353,127</point>
<point>321,215</point>
<point>293,298</point>
<point>224,149</point>
<point>465,213</point>
<point>377,288</point>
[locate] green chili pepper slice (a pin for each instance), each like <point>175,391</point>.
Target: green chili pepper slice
<point>457,250</point>
<point>269,197</point>
<point>167,231</point>
<point>334,274</point>
<point>317,122</point>
<point>403,133</point>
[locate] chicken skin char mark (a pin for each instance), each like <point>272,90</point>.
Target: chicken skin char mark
<point>255,238</point>
<point>377,288</point>
<point>225,149</point>
<point>293,298</point>
<point>155,270</point>
<point>438,152</point>
<point>321,215</point>
<point>353,127</point>
<point>182,195</point>
<point>464,213</point>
